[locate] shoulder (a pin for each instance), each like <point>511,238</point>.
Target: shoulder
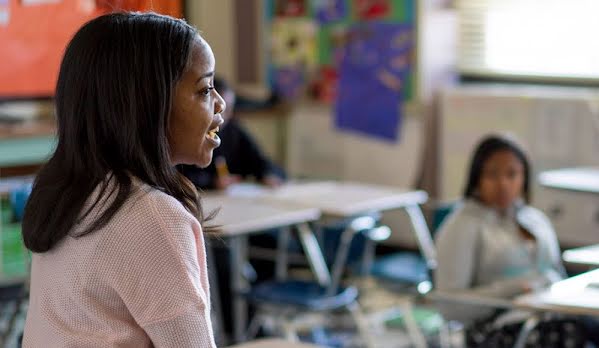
<point>532,218</point>
<point>532,213</point>
<point>464,213</point>
<point>163,205</point>
<point>150,214</point>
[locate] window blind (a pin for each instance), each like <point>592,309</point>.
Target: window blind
<point>550,40</point>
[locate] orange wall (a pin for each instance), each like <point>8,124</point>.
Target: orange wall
<point>32,44</point>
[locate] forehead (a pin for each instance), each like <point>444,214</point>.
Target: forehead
<point>503,157</point>
<point>201,60</point>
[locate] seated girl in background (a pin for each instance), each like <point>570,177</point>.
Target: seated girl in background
<point>494,244</point>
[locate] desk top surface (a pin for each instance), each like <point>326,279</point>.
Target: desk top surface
<point>273,343</point>
<point>250,208</point>
<point>588,255</point>
<point>344,199</point>
<point>243,215</point>
<point>578,295</point>
<point>584,179</point>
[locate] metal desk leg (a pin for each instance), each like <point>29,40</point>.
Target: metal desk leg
<point>423,235</point>
<point>314,254</point>
<point>527,328</point>
<point>282,253</point>
<point>239,285</point>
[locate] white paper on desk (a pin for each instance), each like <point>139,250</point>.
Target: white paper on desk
<point>246,190</point>
<point>297,189</point>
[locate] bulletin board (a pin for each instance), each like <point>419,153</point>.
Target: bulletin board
<point>357,55</point>
<point>308,38</point>
<point>34,34</point>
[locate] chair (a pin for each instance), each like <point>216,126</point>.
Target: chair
<point>14,277</point>
<point>406,270</point>
<point>14,257</point>
<point>280,302</point>
<point>11,292</point>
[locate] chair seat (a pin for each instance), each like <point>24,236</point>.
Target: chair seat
<point>403,267</point>
<point>302,294</point>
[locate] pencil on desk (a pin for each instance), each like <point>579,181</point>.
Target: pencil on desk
<point>221,167</point>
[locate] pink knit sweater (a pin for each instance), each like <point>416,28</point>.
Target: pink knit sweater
<point>140,281</point>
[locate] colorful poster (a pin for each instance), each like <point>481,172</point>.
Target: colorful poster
<point>294,42</point>
<point>330,42</point>
<point>324,86</point>
<point>311,35</point>
<point>289,82</point>
<point>290,8</point>
<point>372,76</point>
<point>373,9</point>
<point>328,11</point>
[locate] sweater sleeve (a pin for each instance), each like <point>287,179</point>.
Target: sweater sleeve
<point>163,275</point>
<point>550,257</point>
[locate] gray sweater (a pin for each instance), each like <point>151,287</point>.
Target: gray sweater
<point>483,253</point>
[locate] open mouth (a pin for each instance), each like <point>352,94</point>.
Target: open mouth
<point>212,134</point>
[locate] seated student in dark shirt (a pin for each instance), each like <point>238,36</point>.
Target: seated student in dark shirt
<point>238,158</point>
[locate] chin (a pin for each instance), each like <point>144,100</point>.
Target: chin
<point>204,161</point>
<point>504,205</point>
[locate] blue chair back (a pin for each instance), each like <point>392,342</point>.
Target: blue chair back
<point>18,199</point>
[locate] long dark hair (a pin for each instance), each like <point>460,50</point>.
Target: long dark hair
<point>113,102</point>
<point>487,147</point>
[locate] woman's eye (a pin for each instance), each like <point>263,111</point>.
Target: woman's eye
<point>207,91</point>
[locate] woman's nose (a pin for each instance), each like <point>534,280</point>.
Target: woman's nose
<point>220,104</point>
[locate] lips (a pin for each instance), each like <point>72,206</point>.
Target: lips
<point>213,130</point>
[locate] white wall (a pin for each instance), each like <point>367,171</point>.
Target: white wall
<point>318,150</point>
<point>215,19</point>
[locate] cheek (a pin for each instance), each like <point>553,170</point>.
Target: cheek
<point>483,188</point>
<point>518,185</point>
<point>487,190</point>
<point>205,117</point>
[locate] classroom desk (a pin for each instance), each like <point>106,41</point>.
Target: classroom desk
<point>583,179</point>
<point>572,296</point>
<point>350,199</point>
<point>273,343</point>
<point>578,295</point>
<point>251,210</point>
<point>586,256</point>
<point>241,216</point>
<point>342,200</point>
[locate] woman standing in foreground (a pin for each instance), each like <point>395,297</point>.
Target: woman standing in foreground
<point>119,256</point>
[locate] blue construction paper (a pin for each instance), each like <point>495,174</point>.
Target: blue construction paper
<point>374,67</point>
